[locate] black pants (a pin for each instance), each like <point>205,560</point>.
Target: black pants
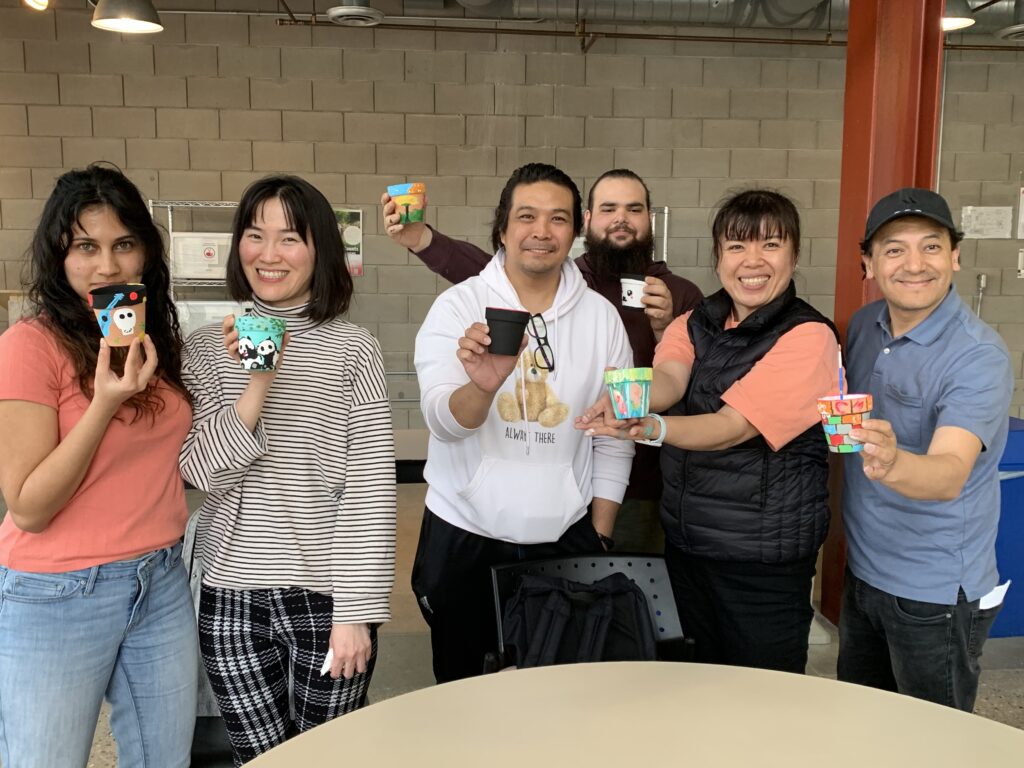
<point>744,614</point>
<point>255,642</point>
<point>926,650</point>
<point>451,578</point>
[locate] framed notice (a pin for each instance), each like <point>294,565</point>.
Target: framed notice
<point>987,222</point>
<point>200,255</point>
<point>350,224</point>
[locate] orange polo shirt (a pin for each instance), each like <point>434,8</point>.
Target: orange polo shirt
<point>131,500</point>
<point>779,394</point>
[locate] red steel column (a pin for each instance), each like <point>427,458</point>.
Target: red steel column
<point>890,138</point>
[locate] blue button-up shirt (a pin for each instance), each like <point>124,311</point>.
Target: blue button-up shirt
<point>951,370</point>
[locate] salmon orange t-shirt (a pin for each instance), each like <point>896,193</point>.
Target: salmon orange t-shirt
<point>131,499</point>
<point>779,395</point>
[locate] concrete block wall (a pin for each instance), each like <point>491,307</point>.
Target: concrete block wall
<point>214,102</point>
<point>982,163</point>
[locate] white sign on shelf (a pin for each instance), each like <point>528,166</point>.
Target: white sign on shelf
<point>987,222</point>
<point>200,255</point>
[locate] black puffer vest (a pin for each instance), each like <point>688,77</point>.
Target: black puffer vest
<point>747,503</point>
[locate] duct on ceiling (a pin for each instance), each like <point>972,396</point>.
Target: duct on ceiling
<point>772,14</point>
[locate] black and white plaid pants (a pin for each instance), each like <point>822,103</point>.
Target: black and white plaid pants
<point>253,642</point>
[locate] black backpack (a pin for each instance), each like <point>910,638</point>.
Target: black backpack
<point>552,620</point>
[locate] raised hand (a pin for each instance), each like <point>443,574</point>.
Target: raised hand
<point>111,390</point>
<point>227,327</point>
<point>880,450</point>
<point>601,413</point>
<point>486,371</point>
<point>600,419</point>
<point>414,235</point>
<point>657,301</point>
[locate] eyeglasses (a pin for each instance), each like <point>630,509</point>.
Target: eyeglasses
<point>543,355</point>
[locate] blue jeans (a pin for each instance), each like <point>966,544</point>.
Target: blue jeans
<point>124,630</point>
<point>926,650</point>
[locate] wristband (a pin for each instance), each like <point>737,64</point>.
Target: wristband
<point>661,435</point>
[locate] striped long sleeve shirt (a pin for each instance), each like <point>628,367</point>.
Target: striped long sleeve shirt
<point>307,499</point>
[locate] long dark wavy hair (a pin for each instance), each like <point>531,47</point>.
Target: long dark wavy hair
<point>67,315</point>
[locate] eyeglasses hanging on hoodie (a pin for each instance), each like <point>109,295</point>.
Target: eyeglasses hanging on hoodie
<point>543,355</point>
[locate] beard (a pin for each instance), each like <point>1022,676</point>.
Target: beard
<point>610,261</point>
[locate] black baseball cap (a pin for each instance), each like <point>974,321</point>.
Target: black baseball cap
<point>909,201</point>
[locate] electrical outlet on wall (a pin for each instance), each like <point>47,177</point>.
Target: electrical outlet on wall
<point>1020,263</point>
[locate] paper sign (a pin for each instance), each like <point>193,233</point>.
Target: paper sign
<point>328,660</point>
<point>1020,216</point>
<point>350,224</point>
<point>987,222</point>
<point>995,597</point>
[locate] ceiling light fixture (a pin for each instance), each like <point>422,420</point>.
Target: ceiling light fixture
<point>956,16</point>
<point>130,16</point>
<point>37,5</point>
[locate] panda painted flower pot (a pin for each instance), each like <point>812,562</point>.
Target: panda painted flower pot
<point>120,311</point>
<point>259,341</point>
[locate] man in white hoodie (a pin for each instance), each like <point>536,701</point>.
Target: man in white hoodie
<point>509,476</point>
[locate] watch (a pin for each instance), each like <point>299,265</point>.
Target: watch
<point>607,541</point>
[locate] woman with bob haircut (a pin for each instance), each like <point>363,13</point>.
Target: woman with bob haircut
<point>744,461</point>
<point>94,599</point>
<point>297,534</point>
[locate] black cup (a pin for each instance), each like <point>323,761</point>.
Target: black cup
<point>507,327</point>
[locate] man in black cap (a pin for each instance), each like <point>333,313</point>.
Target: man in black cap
<point>921,502</point>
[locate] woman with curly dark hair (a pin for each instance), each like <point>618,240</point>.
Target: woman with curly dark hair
<point>94,600</point>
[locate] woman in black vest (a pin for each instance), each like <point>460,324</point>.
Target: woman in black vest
<point>745,499</point>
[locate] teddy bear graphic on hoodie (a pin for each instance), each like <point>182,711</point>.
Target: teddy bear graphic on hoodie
<point>532,398</point>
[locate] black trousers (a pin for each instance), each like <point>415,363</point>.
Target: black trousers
<point>451,578</point>
<point>744,614</point>
<point>926,650</point>
<point>255,642</point>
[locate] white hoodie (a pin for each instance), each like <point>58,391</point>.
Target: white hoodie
<point>510,479</point>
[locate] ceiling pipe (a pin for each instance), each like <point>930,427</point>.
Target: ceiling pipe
<point>992,15</point>
<point>999,14</point>
<point>790,14</point>
<point>1015,31</point>
<point>588,37</point>
<point>765,14</point>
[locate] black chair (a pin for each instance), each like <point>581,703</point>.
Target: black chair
<point>647,571</point>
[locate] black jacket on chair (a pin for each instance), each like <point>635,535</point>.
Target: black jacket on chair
<point>747,503</point>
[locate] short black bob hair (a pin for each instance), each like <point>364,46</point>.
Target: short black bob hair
<point>532,173</point>
<point>309,213</point>
<point>756,214</point>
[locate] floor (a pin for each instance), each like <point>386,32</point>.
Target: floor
<point>404,655</point>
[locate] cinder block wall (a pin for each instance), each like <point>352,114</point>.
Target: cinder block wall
<point>213,102</point>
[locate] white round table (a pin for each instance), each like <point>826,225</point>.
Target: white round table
<point>644,714</point>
